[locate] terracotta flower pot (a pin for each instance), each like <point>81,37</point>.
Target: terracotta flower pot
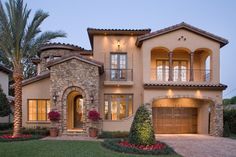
<point>53,132</point>
<point>93,132</point>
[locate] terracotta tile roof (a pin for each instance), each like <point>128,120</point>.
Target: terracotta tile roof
<point>36,78</point>
<point>76,56</point>
<point>184,25</point>
<point>186,85</point>
<point>58,45</point>
<point>96,31</point>
<point>5,69</point>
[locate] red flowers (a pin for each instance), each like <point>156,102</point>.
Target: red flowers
<point>14,137</point>
<point>54,116</point>
<point>157,146</point>
<point>94,115</point>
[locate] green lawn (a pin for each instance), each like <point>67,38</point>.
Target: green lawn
<point>37,148</point>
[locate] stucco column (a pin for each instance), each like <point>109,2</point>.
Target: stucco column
<point>170,66</point>
<point>191,66</point>
<point>216,120</point>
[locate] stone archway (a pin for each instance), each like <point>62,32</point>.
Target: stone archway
<point>64,107</point>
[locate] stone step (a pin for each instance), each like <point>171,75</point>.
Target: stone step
<point>74,133</point>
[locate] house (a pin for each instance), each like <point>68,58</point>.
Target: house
<point>174,71</point>
<point>4,83</point>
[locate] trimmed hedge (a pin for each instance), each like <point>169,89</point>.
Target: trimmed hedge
<point>6,126</point>
<point>141,131</point>
<point>230,118</point>
<point>113,134</point>
<point>113,145</point>
<point>35,131</point>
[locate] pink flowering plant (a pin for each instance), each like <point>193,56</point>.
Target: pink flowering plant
<point>54,116</point>
<point>93,115</point>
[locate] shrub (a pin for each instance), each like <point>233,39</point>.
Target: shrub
<point>6,126</point>
<point>114,134</point>
<point>10,138</point>
<point>114,144</point>
<point>230,117</point>
<point>35,131</point>
<point>226,132</point>
<point>5,108</point>
<point>141,132</point>
<point>6,132</point>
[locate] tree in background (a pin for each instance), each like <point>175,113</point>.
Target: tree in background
<point>21,38</point>
<point>5,108</point>
<point>229,101</point>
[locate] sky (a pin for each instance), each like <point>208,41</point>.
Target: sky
<point>75,16</point>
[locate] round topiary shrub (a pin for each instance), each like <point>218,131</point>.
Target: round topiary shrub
<point>141,132</point>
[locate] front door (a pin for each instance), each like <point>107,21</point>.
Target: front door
<point>78,112</point>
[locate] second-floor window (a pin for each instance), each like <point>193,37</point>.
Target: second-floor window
<point>118,66</point>
<point>180,70</point>
<point>162,70</point>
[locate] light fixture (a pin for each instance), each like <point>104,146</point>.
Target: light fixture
<point>118,44</point>
<point>91,98</point>
<point>54,97</point>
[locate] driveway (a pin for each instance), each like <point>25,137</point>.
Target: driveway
<point>194,145</point>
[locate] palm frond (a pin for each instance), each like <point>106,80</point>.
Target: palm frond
<point>40,40</point>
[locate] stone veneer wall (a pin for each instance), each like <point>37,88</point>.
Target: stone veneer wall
<point>47,53</point>
<point>216,120</point>
<point>74,75</point>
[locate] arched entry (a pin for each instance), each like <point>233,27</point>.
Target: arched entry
<point>75,111</point>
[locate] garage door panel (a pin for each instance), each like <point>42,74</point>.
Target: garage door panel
<point>176,120</point>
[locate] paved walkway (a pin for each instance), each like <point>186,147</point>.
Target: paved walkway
<point>200,145</point>
<point>72,138</point>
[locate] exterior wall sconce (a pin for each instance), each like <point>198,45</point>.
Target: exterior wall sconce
<point>54,98</point>
<point>91,98</point>
<point>118,44</point>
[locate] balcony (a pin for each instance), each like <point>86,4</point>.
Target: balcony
<point>119,77</point>
<point>181,75</point>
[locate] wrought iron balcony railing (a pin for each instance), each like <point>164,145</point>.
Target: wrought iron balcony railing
<point>118,74</point>
<point>181,75</point>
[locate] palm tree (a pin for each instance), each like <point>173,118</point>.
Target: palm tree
<point>20,39</point>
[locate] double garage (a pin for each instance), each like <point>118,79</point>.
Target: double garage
<point>180,116</point>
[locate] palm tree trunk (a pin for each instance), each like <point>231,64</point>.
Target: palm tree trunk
<point>18,77</point>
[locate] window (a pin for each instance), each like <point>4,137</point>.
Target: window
<point>180,70</point>
<point>50,58</point>
<point>162,70</point>
<point>118,106</point>
<point>38,110</point>
<point>118,66</point>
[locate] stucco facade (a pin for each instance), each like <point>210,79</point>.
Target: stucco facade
<point>174,68</point>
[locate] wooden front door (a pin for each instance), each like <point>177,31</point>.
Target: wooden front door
<point>174,120</point>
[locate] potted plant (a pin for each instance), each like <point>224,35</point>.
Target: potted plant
<point>94,117</point>
<point>54,117</point>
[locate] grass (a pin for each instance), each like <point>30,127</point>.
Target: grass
<point>38,148</point>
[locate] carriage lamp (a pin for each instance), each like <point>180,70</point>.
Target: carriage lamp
<point>54,97</point>
<point>91,98</point>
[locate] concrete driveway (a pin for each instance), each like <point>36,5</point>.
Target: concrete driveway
<point>194,145</point>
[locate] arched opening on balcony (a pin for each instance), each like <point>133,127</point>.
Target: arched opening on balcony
<point>202,65</point>
<point>160,64</point>
<point>181,65</point>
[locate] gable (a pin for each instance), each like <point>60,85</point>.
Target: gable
<point>181,38</point>
<point>185,26</point>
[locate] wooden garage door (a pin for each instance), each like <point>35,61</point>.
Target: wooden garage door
<point>174,120</point>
